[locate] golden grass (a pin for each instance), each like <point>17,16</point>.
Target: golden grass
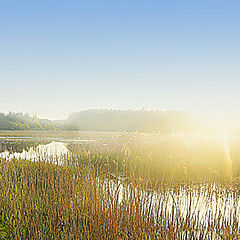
<point>135,192</point>
<point>46,201</point>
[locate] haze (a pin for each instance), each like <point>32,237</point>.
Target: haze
<point>58,57</point>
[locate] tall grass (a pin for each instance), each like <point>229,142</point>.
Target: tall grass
<point>165,190</point>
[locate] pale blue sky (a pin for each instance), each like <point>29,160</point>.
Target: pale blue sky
<point>60,56</point>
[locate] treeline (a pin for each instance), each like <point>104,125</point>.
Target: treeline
<point>105,120</point>
<point>20,121</point>
<point>142,121</point>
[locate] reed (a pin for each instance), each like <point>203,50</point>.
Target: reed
<point>163,190</point>
<point>48,201</point>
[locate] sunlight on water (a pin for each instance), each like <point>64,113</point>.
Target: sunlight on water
<point>201,204</point>
<point>52,152</point>
<point>53,149</point>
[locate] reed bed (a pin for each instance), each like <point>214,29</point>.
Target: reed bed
<point>163,190</point>
<point>47,201</point>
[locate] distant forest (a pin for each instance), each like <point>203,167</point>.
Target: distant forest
<point>105,120</point>
<point>20,121</point>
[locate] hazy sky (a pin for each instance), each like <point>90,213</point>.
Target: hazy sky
<point>60,56</point>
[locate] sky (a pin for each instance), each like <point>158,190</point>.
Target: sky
<point>62,56</point>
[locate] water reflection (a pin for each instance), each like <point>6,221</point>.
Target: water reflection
<point>54,152</point>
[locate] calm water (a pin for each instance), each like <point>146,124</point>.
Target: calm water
<point>18,142</point>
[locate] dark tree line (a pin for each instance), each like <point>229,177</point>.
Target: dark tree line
<point>20,121</point>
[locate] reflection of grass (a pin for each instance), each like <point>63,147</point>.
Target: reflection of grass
<point>87,199</point>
